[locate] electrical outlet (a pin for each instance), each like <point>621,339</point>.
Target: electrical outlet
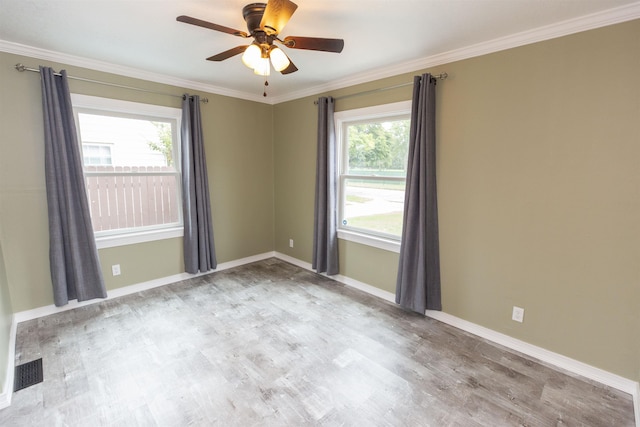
<point>518,314</point>
<point>290,243</point>
<point>115,269</point>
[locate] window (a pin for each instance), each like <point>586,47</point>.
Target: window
<point>96,154</point>
<point>373,144</point>
<point>131,161</point>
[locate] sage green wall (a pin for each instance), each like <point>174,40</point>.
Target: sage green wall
<point>239,157</point>
<point>538,190</point>
<point>539,199</point>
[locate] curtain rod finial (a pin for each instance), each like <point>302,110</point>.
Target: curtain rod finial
<point>20,67</point>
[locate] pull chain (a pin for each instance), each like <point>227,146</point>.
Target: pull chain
<point>266,83</point>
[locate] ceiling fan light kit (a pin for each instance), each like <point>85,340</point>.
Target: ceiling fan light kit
<point>251,55</point>
<point>279,59</point>
<point>257,58</point>
<point>262,67</point>
<point>264,22</point>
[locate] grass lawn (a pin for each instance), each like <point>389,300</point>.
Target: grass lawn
<point>389,223</point>
<point>386,185</point>
<point>358,199</point>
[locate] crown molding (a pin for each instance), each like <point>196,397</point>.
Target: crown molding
<point>571,26</point>
<point>93,64</point>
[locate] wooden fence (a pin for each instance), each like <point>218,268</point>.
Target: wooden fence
<point>131,197</point>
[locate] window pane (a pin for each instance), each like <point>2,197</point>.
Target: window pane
<point>378,148</point>
<point>131,142</point>
<point>130,172</point>
<point>374,148</point>
<point>374,205</point>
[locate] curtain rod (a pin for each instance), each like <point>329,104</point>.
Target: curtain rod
<point>441,76</point>
<point>22,68</point>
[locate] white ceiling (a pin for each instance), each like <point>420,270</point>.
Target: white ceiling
<point>141,38</point>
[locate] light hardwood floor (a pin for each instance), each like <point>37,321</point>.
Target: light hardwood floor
<point>270,344</point>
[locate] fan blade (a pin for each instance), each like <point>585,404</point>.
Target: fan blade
<point>211,26</point>
<point>227,53</point>
<point>290,69</point>
<point>314,43</point>
<point>276,15</point>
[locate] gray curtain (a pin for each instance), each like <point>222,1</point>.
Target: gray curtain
<point>199,248</point>
<point>325,237</point>
<point>75,267</point>
<point>418,284</point>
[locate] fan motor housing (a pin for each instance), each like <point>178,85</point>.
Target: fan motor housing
<point>252,14</point>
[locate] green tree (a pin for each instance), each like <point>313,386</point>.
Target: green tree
<point>378,146</point>
<point>164,144</point>
<point>400,142</point>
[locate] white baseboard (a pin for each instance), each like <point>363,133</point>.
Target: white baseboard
<point>35,313</point>
<point>7,387</point>
<point>385,295</point>
<point>547,356</point>
<point>544,355</point>
<point>292,260</point>
<point>636,403</point>
<point>22,316</point>
<point>555,359</point>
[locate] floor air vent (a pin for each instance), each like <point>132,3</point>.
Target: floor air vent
<point>28,374</point>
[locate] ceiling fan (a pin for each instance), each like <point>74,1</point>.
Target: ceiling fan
<point>265,21</point>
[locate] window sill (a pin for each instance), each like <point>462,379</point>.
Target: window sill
<point>365,239</point>
<point>140,237</point>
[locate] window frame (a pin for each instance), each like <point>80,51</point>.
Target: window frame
<point>128,109</point>
<point>342,120</point>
